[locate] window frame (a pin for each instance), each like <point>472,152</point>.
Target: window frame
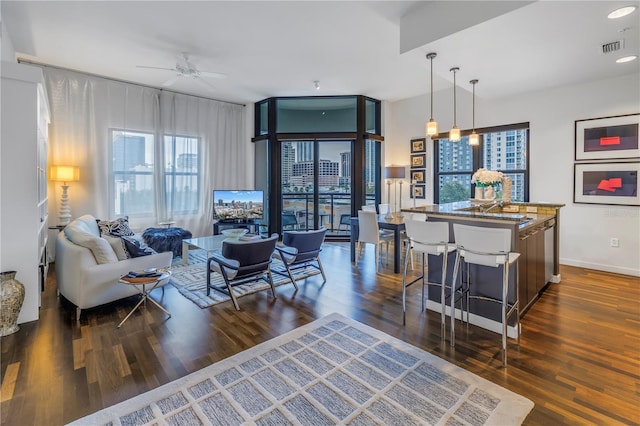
<point>477,157</point>
<point>113,173</point>
<point>166,174</point>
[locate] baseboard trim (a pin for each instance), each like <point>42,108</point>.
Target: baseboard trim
<point>600,267</point>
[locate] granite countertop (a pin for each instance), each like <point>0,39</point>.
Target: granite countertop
<point>522,212</point>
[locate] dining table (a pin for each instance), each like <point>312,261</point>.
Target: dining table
<point>396,224</point>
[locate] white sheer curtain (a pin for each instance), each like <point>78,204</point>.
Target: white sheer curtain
<point>85,109</point>
<point>223,151</point>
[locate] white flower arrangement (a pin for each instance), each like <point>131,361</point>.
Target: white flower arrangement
<point>484,177</point>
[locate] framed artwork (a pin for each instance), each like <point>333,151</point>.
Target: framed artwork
<point>417,175</point>
<point>418,161</point>
<point>418,145</point>
<point>607,138</point>
<point>418,191</point>
<point>606,183</point>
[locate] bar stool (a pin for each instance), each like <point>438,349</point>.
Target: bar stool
<point>488,247</point>
<point>430,238</point>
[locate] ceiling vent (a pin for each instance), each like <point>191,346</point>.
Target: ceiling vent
<point>614,46</point>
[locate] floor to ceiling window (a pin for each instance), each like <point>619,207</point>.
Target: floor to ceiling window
<point>324,160</point>
<point>502,148</point>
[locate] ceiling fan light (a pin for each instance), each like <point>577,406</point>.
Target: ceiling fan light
<point>623,11</point>
<point>474,139</point>
<point>432,127</point>
<point>454,134</point>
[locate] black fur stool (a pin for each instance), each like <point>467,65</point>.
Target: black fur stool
<point>166,239</point>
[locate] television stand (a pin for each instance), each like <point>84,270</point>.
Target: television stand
<point>252,225</point>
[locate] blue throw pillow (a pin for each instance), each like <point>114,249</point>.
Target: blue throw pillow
<point>135,248</point>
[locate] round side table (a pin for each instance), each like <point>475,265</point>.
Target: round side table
<point>144,282</point>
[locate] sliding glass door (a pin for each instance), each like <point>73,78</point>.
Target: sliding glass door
<point>322,160</point>
<point>316,185</point>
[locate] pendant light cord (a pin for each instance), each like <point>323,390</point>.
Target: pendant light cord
<point>454,98</point>
<point>431,88</point>
<point>473,118</point>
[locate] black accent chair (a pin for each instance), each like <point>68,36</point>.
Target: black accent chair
<point>300,249</point>
<point>345,220</point>
<point>240,262</point>
<point>289,221</point>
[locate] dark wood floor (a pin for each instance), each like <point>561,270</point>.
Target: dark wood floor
<point>578,360</point>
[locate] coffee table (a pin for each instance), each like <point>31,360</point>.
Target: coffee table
<point>144,292</point>
<point>208,244</point>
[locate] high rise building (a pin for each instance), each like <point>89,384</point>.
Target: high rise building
<point>506,151</point>
<point>328,173</point>
<point>304,151</point>
<point>288,154</point>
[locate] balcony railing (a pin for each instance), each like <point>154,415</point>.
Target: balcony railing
<point>334,208</point>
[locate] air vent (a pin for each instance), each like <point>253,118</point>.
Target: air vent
<point>614,46</point>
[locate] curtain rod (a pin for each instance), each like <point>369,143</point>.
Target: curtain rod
<point>25,61</point>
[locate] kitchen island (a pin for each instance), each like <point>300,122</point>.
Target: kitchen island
<point>535,235</point>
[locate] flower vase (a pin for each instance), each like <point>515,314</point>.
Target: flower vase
<point>11,298</point>
<point>489,192</point>
<point>485,192</point>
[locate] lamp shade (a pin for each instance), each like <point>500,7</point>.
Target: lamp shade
<point>432,127</point>
<point>474,139</point>
<point>454,134</point>
<point>394,172</point>
<point>64,173</point>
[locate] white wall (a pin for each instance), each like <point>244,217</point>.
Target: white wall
<point>585,229</point>
<point>7,51</point>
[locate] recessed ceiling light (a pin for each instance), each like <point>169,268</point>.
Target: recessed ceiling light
<point>627,59</point>
<point>623,11</point>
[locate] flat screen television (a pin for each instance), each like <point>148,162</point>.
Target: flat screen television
<point>237,206</point>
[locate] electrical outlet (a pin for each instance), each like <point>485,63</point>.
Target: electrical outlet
<point>614,242</point>
<point>532,209</point>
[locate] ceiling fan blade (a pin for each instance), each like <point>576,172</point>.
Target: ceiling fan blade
<point>212,74</point>
<point>204,83</point>
<point>170,82</point>
<point>156,68</point>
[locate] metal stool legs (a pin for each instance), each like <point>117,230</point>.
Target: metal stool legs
<point>426,283</point>
<point>507,309</point>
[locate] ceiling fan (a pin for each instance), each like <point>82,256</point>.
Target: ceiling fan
<point>185,68</point>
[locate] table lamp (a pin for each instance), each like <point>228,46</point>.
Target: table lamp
<point>64,174</point>
<point>395,173</point>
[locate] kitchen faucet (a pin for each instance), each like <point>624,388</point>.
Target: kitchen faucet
<point>491,205</point>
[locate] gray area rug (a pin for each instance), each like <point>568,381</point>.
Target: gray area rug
<point>191,280</point>
<point>332,371</point>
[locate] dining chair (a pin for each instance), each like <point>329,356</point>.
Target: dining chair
<point>369,233</point>
<point>289,221</point>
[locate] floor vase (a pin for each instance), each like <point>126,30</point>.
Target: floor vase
<point>11,302</point>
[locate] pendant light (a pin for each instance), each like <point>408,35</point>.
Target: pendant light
<point>432,125</point>
<point>474,138</point>
<point>454,133</point>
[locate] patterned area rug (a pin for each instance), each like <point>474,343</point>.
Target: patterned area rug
<point>191,280</point>
<point>332,371</point>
